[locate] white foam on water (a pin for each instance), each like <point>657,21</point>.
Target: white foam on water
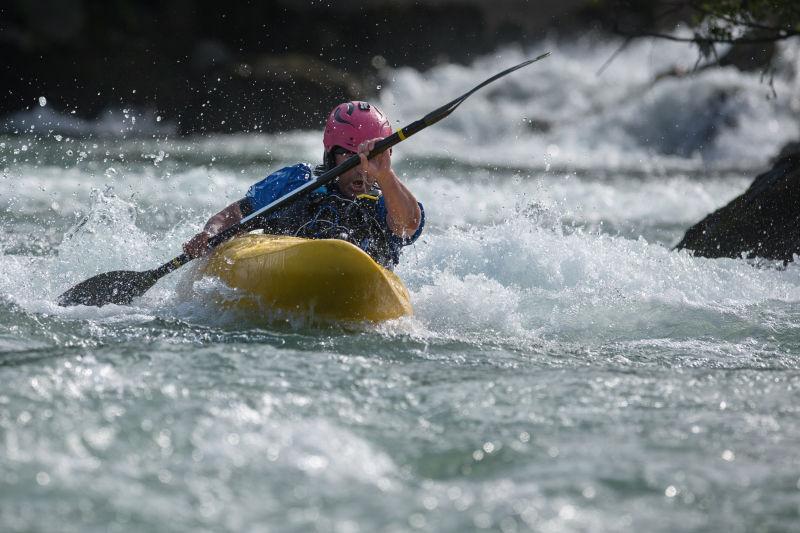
<point>59,176</point>
<point>518,279</point>
<point>106,238</point>
<point>488,198</point>
<point>622,118</point>
<point>313,446</point>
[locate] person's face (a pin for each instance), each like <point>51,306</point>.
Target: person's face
<point>354,181</point>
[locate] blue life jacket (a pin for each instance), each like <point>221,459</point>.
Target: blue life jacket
<point>327,214</point>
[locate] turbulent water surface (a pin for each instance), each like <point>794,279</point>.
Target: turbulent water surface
<point>565,370</point>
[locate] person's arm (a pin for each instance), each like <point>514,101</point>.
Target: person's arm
<point>198,245</point>
<point>402,209</point>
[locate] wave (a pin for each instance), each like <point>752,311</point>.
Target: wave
<point>526,278</point>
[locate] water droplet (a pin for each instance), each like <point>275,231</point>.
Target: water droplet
<point>379,62</point>
<point>417,521</point>
<point>482,520</point>
<point>728,455</point>
<point>42,101</point>
<point>378,87</point>
<point>567,512</point>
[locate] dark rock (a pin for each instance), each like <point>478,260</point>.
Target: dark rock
<point>267,92</point>
<point>243,66</point>
<point>762,222</point>
<point>750,57</point>
<point>539,125</point>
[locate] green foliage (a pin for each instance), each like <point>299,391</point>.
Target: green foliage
<point>723,21</point>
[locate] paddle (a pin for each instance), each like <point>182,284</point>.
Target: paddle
<point>121,286</point>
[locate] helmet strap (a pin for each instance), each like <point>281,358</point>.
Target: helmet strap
<point>329,160</point>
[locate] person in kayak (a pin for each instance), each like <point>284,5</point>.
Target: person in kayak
<point>368,205</point>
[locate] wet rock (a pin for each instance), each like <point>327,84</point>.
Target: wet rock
<point>762,222</point>
<point>267,92</point>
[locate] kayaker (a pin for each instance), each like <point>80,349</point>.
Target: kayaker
<point>368,205</point>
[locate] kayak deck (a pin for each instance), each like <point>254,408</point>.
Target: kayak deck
<point>324,278</point>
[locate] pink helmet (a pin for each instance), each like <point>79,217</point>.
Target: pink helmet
<point>352,123</point>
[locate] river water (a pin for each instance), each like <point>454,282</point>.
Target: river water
<point>565,370</point>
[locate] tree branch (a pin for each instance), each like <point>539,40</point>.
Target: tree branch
<point>698,39</point>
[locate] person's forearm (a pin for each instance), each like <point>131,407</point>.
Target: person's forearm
<point>224,219</point>
<point>198,245</point>
<point>403,213</point>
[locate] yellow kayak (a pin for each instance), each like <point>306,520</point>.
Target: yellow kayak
<point>323,278</point>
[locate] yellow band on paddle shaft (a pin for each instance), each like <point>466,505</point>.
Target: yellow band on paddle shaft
<point>401,134</point>
<point>176,262</point>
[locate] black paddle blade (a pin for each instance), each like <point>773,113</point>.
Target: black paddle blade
<point>118,287</point>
